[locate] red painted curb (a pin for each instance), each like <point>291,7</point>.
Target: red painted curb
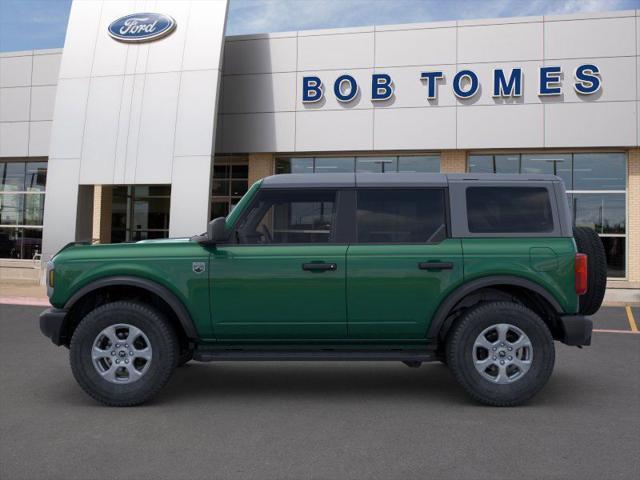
<point>28,301</point>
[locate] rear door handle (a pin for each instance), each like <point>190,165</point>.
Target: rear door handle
<point>319,267</point>
<point>435,265</point>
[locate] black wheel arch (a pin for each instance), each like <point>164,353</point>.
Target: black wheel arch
<point>442,320</point>
<point>166,296</point>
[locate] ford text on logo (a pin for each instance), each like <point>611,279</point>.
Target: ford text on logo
<point>141,27</point>
<point>465,84</point>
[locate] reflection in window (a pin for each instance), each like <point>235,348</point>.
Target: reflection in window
<point>377,164</point>
<point>366,163</point>
<point>596,186</point>
<point>229,183</point>
<point>140,212</point>
<point>22,189</point>
<point>399,216</point>
<point>290,216</point>
<point>509,210</point>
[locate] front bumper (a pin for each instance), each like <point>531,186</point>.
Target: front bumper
<point>52,325</point>
<point>576,330</point>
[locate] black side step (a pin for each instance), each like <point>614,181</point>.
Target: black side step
<point>313,355</point>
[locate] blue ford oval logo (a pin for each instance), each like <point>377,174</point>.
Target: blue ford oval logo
<point>141,27</point>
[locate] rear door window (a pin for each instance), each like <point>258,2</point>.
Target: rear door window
<point>509,210</point>
<point>400,215</point>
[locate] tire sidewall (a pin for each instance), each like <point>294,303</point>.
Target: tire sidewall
<point>460,353</point>
<point>160,368</point>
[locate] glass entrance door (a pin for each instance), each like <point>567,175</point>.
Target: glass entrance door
<point>140,212</point>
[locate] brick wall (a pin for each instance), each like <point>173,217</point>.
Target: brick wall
<point>453,161</point>
<point>260,165</point>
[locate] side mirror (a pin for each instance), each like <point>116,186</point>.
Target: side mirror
<point>217,231</point>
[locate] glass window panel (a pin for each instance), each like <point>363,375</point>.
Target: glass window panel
<point>481,164</point>
<point>239,187</point>
<point>428,163</point>
<point>219,209</point>
<point>31,242</point>
<point>377,164</point>
<point>599,171</point>
<point>291,216</point>
<point>554,164</point>
<point>615,248</point>
<point>220,171</point>
<point>12,208</point>
<point>334,165</point>
<point>13,177</point>
<point>507,163</point>
<point>399,216</point>
<point>10,239</point>
<point>294,165</point>
<point>219,187</point>
<point>239,171</point>
<point>150,213</point>
<point>509,210</point>
<point>605,213</point>
<point>33,209</point>
<point>36,176</point>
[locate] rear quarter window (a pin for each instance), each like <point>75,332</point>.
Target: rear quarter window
<point>509,210</point>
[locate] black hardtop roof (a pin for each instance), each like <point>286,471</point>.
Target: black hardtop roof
<point>401,179</point>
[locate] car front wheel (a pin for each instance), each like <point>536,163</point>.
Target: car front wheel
<point>502,353</point>
<point>123,353</point>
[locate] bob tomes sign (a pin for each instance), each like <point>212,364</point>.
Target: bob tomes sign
<point>141,27</point>
<point>465,84</point>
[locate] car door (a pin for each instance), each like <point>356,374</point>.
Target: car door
<point>402,263</point>
<point>285,277</point>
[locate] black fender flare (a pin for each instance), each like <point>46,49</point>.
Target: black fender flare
<point>181,312</point>
<point>462,291</point>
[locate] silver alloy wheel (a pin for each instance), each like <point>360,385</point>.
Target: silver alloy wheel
<point>502,353</point>
<point>121,353</point>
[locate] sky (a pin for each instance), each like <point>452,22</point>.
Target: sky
<point>34,24</point>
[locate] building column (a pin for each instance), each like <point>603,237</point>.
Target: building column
<point>102,202</point>
<point>453,161</point>
<point>633,225</point>
<point>190,195</point>
<point>61,205</point>
<point>260,165</point>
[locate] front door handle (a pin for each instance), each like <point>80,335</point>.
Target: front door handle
<point>320,267</point>
<point>435,265</point>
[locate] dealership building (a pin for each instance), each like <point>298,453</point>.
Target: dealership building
<point>115,139</point>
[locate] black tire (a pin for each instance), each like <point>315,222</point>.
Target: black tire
<point>589,243</point>
<point>460,351</point>
<point>164,347</point>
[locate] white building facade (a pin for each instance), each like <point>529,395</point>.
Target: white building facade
<point>111,141</point>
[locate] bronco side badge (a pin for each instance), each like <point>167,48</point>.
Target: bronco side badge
<point>198,267</point>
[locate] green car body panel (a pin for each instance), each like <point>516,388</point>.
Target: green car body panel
<point>165,262</point>
<point>259,293</point>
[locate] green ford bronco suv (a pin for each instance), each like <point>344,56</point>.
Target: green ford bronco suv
<point>481,272</point>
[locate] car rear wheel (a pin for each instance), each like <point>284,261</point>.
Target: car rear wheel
<point>589,243</point>
<point>502,353</point>
<point>123,353</point>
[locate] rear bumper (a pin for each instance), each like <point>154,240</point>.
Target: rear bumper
<point>52,322</point>
<point>576,329</point>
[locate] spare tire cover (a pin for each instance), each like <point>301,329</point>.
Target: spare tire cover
<point>589,243</point>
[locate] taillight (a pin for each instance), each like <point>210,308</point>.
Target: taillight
<point>581,274</point>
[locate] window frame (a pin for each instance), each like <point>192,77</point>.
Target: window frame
<point>459,215</point>
<point>548,207</point>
